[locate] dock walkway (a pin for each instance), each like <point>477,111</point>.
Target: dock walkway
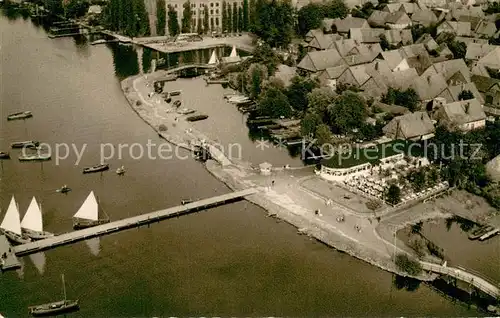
<point>128,223</point>
<point>483,284</point>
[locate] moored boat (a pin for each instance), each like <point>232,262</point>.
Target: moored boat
<point>175,93</point>
<point>177,103</point>
<point>4,155</point>
<point>170,77</point>
<point>196,117</point>
<point>55,307</point>
<point>11,224</point>
<point>32,223</point>
<point>101,41</point>
<point>35,157</point>
<point>186,201</point>
<point>88,214</point>
<point>477,233</point>
<point>20,115</point>
<point>64,189</point>
<point>185,111</point>
<point>96,168</point>
<point>25,144</point>
<point>120,171</point>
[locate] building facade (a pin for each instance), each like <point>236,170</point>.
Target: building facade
<point>198,13</point>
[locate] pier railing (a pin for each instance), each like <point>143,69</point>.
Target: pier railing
<point>486,285</point>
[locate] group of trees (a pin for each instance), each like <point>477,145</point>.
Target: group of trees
<point>128,17</point>
<point>407,98</point>
<point>310,16</point>
<point>272,21</point>
<point>233,18</point>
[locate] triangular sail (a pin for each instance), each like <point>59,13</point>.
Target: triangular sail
<point>11,221</point>
<point>213,58</point>
<point>32,220</point>
<point>233,52</point>
<point>89,209</point>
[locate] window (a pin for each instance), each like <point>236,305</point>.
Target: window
<point>211,5</point>
<point>216,4</point>
<point>489,99</point>
<point>216,11</point>
<point>217,21</point>
<point>211,11</point>
<point>212,22</point>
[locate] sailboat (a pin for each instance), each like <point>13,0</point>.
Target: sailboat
<point>11,224</point>
<point>55,307</point>
<point>233,57</point>
<point>32,224</point>
<point>88,214</point>
<point>213,59</point>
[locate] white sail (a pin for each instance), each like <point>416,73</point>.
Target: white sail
<point>11,221</point>
<point>32,220</point>
<point>213,58</point>
<point>233,52</point>
<point>94,245</point>
<point>38,260</point>
<point>89,209</point>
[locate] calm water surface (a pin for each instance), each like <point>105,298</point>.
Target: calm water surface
<point>231,260</point>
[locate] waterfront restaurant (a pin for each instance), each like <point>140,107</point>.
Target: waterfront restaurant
<point>361,161</point>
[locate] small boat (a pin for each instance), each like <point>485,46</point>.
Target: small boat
<point>243,101</point>
<point>168,100</point>
<point>20,115</point>
<point>477,233</point>
<point>96,168</point>
<point>238,98</point>
<point>185,111</point>
<point>25,144</point>
<point>175,93</point>
<point>101,41</point>
<point>196,117</point>
<point>64,189</point>
<point>186,201</point>
<point>177,103</point>
<point>35,157</point>
<point>88,214</point>
<point>4,155</point>
<point>55,307</point>
<point>32,224</point>
<point>120,171</point>
<point>11,224</point>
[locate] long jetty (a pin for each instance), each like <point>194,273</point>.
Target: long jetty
<point>128,223</point>
<point>486,285</point>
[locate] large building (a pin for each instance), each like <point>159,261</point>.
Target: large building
<point>197,7</point>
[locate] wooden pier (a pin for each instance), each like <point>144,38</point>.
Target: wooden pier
<point>136,221</point>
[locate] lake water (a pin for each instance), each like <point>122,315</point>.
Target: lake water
<point>231,260</point>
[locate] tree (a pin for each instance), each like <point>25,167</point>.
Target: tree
<point>229,18</point>
<point>309,17</point>
<point>408,98</point>
<point>240,19</point>
<point>309,123</point>
<point>245,15</point>
<point>347,112</point>
<point>364,12</point>
<point>125,16</point>
<point>235,18</point>
<point>199,25</point>
<point>173,22</point>
<point>272,102</point>
<point>459,49</point>
<point>186,17</point>
<point>408,265</point>
<point>161,19</point>
<point>273,22</point>
<point>393,194</point>
<point>256,74</point>
<point>323,135</point>
<point>206,25</point>
<point>319,99</point>
<point>224,16</point>
<point>298,90</point>
<point>76,8</point>
<point>251,14</point>
<point>465,94</point>
<point>263,54</point>
<point>335,9</point>
<point>417,179</point>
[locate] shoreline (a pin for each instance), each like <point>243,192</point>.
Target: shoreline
<point>238,175</point>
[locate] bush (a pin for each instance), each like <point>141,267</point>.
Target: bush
<point>435,250</point>
<point>138,103</point>
<point>408,265</point>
